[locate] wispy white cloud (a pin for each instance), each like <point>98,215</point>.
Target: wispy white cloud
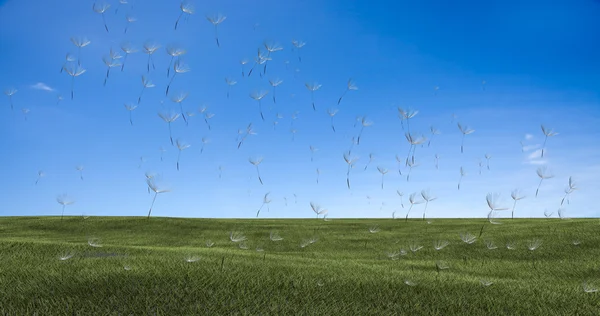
<point>532,147</point>
<point>42,86</point>
<point>528,137</point>
<point>535,158</point>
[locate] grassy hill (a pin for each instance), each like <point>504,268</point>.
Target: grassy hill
<point>163,266</point>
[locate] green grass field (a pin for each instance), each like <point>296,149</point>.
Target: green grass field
<point>141,267</point>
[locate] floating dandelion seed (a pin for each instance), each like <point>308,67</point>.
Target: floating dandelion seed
<point>547,133</point>
<point>462,174</point>
<point>511,245</point>
<point>312,152</point>
<point>412,198</point>
<point>80,169</point>
<point>258,96</point>
<point>204,142</point>
<point>162,152</point>
<point>271,48</point>
<point>349,86</point>
<point>256,162</point>
<point>208,116</point>
<point>316,208</point>
<point>179,68</point>
<point>209,243</point>
<point>156,189</point>
<point>266,201</point>
<point>94,242</point>
<point>181,145</point>
<point>487,158</point>
<point>332,113</point>
<point>485,283</point>
<point>428,198</point>
<point>249,131</point>
<point>243,62</point>
<point>364,123</point>
<point>216,20</point>
<point>121,2</point>
<point>41,174</point>
<point>383,171</point>
<point>130,107</point>
<point>230,83</point>
<point>312,87</point>
<point>179,98</point>
<point>298,45</point>
<point>191,259</point>
<point>437,158</point>
<point>350,161</point>
<point>79,42</point>
<point>111,62</point>
<point>490,245</point>
<point>100,9</point>
<point>129,19</point>
<point>169,118</point>
<point>275,83</point>
<point>186,8</point>
<point>483,85</point>
<point>66,256</point>
<point>174,52</point>
<point>434,131</point>
<point>406,115</point>
<point>260,59</point>
<point>374,229</point>
<point>149,49</point>
<point>73,71</point>
<point>542,173</point>
<point>146,83</point>
<point>570,189</point>
<point>25,112</point>
<point>465,131</point>
<point>413,141</point>
<point>318,174</point>
<point>411,164</point>
<point>69,58</point>
<point>516,195</point>
<point>401,194</point>
<point>588,287</point>
<point>548,214</point>
<point>493,204</point>
<point>64,200</point>
<point>127,48</point>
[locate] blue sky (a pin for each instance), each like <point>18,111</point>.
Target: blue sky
<point>538,60</point>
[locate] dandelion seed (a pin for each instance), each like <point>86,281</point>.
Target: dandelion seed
<point>130,107</point>
<point>266,201</point>
<point>243,62</point>
<point>411,164</point>
<point>69,58</point>
<point>41,174</point>
<point>437,158</point>
<point>169,118</point>
<point>66,256</point>
<point>374,229</point>
<point>25,111</point>
<point>364,123</point>
<point>468,238</point>
<point>312,87</point>
<point>487,158</point>
<point>462,174</point>
<point>236,237</point>
<point>192,259</point>
<point>275,83</point>
<point>547,133</point>
<point>186,8</point>
<point>258,96</point>
<point>110,62</point>
<point>542,173</point>
<point>179,68</point>
<point>413,141</point>
<point>94,242</point>
<point>534,244</point>
<point>149,49</point>
<point>428,198</point>
<point>401,194</point>
<point>156,189</point>
<point>576,242</point>
<point>256,162</point>
<point>511,245</point>
<point>216,20</point>
<point>209,243</point>
<point>260,59</point>
<point>406,115</point>
<point>230,83</point>
<point>181,145</point>
<point>64,200</point>
<point>485,283</point>
<point>440,244</point>
<point>516,195</point>
<point>298,45</point>
<point>349,86</point>
<point>100,9</point>
<point>570,189</point>
<point>274,236</point>
<point>490,245</point>
<point>588,287</point>
<point>371,159</point>
<point>129,19</point>
<point>465,131</point>
<point>271,48</point>
<point>73,71</point>
<point>79,42</point>
<point>332,113</point>
<point>178,99</point>
<point>414,246</point>
<point>413,200</point>
<point>249,131</point>
<point>434,131</point>
<point>146,83</point>
<point>317,209</point>
<point>383,171</point>
<point>350,161</point>
<point>128,49</point>
<point>174,52</point>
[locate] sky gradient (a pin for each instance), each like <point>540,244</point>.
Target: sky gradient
<point>538,60</point>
